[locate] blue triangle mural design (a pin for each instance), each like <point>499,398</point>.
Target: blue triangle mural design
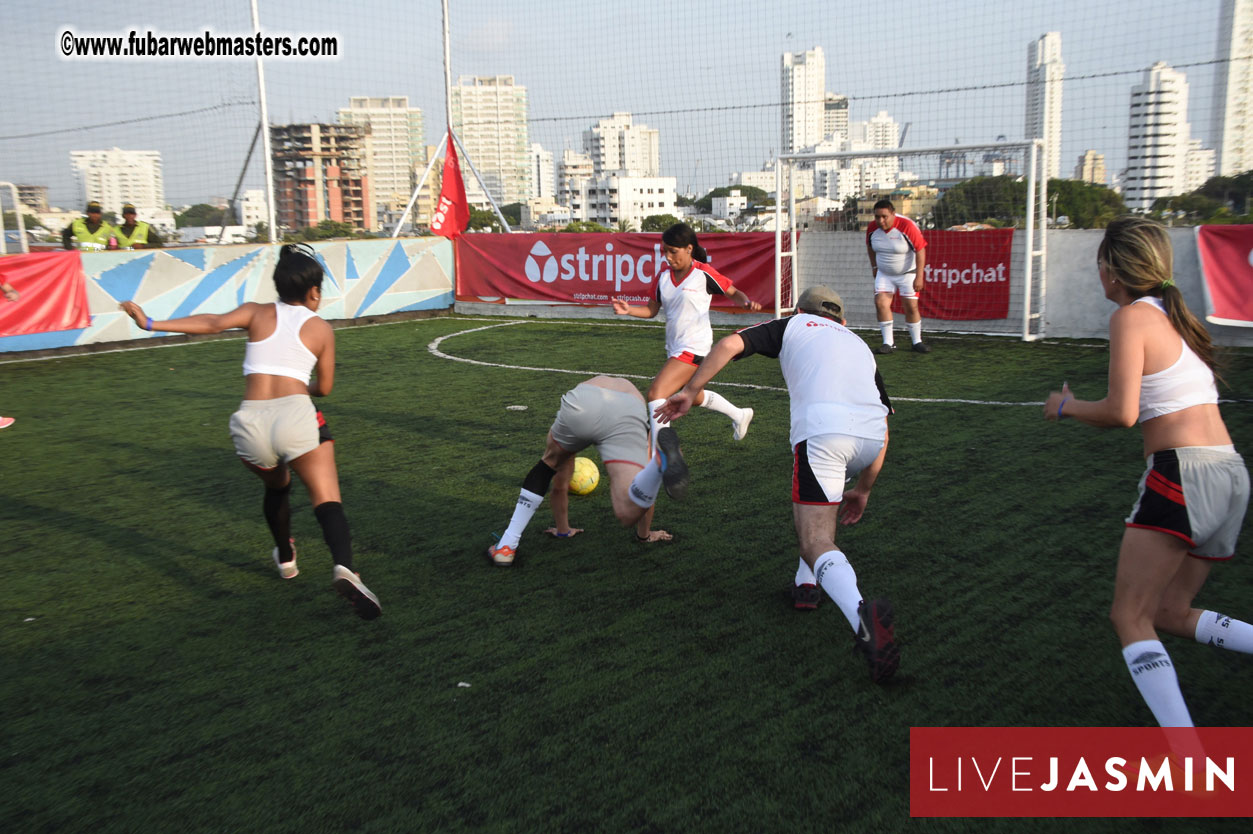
<point>123,280</point>
<point>211,283</point>
<point>195,257</point>
<point>350,265</point>
<point>396,266</point>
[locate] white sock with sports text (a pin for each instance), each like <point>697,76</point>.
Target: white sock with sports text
<point>646,483</point>
<point>1214,629</point>
<point>720,404</point>
<point>915,331</point>
<point>886,328</point>
<point>1155,677</point>
<point>837,578</point>
<point>653,425</point>
<point>528,503</point>
<point>805,574</point>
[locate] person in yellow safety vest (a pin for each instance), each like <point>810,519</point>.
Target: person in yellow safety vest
<point>135,235</point>
<point>89,234</point>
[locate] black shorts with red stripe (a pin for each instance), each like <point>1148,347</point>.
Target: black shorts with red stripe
<point>324,431</point>
<point>1162,506</point>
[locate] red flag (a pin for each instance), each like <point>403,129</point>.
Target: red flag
<point>452,215</point>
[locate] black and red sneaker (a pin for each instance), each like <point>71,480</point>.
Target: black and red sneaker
<point>876,639</point>
<point>806,597</point>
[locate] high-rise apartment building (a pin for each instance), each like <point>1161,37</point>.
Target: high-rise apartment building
<point>1158,138</point>
<point>543,171</point>
<point>395,143</point>
<point>319,174</point>
<point>1232,132</point>
<point>489,115</point>
<point>574,170</point>
<point>804,89</point>
<point>1045,71</point>
<point>113,177</point>
<point>835,116</point>
<point>1091,168</point>
<point>617,146</point>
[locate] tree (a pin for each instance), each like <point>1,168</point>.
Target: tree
<point>624,227</point>
<point>585,226</point>
<point>1219,200</point>
<point>484,219</point>
<point>658,222</point>
<point>706,204</point>
<point>513,214</point>
<point>203,214</point>
<point>260,233</point>
<point>1001,201</point>
<point>325,230</point>
<point>10,220</point>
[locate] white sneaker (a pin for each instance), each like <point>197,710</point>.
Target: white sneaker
<point>741,425</point>
<point>287,570</point>
<point>349,586</point>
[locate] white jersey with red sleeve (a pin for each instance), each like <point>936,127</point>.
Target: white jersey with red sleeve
<point>894,249</point>
<point>686,306</point>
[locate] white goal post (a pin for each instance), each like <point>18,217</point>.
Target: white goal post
<point>837,257</point>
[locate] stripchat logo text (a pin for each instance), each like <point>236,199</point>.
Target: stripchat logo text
<point>973,274</point>
<point>542,264</point>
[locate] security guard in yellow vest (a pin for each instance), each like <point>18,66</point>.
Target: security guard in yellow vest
<point>90,233</point>
<point>134,235</point>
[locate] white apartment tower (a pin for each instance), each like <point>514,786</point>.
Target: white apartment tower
<point>114,177</point>
<point>804,86</point>
<point>1158,138</point>
<point>1091,168</point>
<point>542,173</point>
<point>489,115</point>
<point>835,116</point>
<point>394,143</point>
<point>1045,71</point>
<point>1232,132</point>
<point>617,146</point>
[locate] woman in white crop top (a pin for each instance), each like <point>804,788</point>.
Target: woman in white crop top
<point>277,428</point>
<point>1195,489</point>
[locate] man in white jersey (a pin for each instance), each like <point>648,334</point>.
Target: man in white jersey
<point>898,262</point>
<point>839,428</point>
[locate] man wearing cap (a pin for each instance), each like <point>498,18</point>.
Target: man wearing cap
<point>134,235</point>
<point>90,233</point>
<point>839,429</point>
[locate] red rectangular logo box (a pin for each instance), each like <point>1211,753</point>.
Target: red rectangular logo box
<point>1080,772</point>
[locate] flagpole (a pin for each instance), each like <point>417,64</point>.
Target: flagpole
<point>503,222</point>
<point>414,197</point>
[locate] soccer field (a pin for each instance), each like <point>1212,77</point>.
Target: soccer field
<point>159,676</point>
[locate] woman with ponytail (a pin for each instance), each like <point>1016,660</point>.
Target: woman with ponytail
<point>277,429</point>
<point>684,292</point>
<point>1195,489</point>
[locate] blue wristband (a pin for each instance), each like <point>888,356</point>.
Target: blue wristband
<point>1059,406</point>
<point>149,327</point>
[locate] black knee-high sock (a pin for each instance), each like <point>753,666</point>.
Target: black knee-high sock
<point>277,509</point>
<point>335,531</point>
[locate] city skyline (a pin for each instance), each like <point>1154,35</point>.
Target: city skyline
<point>737,98</point>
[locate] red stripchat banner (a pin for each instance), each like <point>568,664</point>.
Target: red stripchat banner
<point>966,276</point>
<point>52,293</point>
<point>1226,254</point>
<point>593,269</point>
<point>1080,772</point>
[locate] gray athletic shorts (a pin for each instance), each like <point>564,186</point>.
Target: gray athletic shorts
<point>1196,494</point>
<point>267,432</point>
<point>615,421</point>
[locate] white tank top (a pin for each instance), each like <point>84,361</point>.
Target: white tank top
<point>1184,384</point>
<point>282,353</point>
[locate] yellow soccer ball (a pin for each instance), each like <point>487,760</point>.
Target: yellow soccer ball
<point>585,478</point>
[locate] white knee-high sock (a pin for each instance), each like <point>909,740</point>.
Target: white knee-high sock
<point>720,404</point>
<point>886,328</point>
<point>838,579</point>
<point>528,503</point>
<point>1219,630</point>
<point>915,331</point>
<point>653,425</point>
<point>646,483</point>
<point>805,574</point>
<point>1155,677</point>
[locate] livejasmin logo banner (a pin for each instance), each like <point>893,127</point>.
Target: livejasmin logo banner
<point>1080,772</point>
<point>593,269</point>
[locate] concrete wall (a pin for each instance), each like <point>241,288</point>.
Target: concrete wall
<point>363,278</point>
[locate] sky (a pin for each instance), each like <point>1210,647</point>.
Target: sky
<point>704,73</point>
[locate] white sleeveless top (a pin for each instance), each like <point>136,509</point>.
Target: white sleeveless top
<point>282,353</point>
<point>1184,384</point>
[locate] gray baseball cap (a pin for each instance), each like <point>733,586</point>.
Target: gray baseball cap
<point>822,301</point>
